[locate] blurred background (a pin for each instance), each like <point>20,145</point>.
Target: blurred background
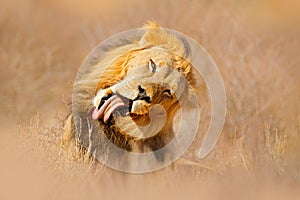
<point>256,46</point>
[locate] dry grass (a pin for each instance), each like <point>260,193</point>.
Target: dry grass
<point>255,46</point>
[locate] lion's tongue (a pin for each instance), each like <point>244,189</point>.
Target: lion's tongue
<point>108,108</point>
<point>96,114</point>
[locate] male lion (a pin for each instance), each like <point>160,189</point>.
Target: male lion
<point>130,94</point>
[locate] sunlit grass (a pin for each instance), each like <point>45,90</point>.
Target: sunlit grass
<point>42,44</point>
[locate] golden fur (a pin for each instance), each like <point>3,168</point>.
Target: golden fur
<point>159,64</point>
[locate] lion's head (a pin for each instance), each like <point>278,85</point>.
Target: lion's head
<point>128,93</point>
<point>143,87</point>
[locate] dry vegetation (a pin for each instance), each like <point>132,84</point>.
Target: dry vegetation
<point>255,46</point>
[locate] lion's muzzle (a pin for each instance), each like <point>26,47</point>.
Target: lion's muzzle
<point>113,102</point>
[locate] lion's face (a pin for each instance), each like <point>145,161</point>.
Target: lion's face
<point>139,81</point>
<point>151,79</point>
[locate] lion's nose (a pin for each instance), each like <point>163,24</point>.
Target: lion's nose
<point>142,95</point>
<point>142,91</point>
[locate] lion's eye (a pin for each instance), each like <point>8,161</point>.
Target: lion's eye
<point>152,65</point>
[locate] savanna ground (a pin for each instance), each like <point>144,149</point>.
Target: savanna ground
<point>256,46</point>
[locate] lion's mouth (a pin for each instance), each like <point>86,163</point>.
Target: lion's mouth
<point>111,104</point>
<point>125,106</point>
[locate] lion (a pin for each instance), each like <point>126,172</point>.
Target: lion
<point>130,95</point>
